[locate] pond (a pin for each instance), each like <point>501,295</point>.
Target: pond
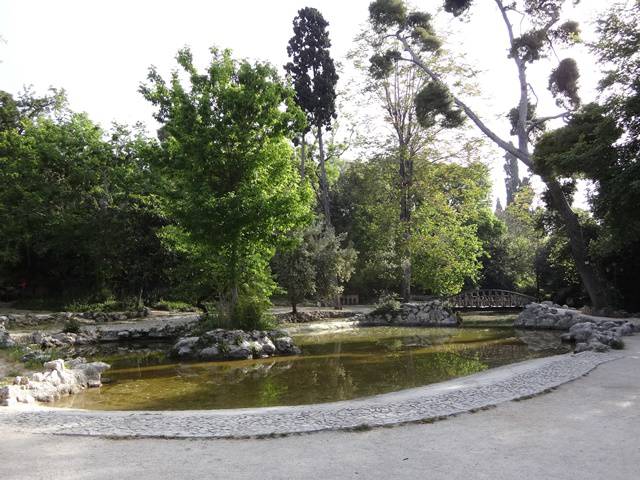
<point>334,366</point>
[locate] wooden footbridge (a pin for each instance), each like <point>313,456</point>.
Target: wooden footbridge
<point>489,299</point>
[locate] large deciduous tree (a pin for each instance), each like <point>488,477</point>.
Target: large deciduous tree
<point>395,84</point>
<point>229,179</point>
<point>314,78</point>
<point>540,26</point>
<point>76,209</point>
<point>450,201</point>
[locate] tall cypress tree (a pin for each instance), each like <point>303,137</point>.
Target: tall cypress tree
<point>314,78</point>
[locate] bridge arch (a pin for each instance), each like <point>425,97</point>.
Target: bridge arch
<point>489,298</point>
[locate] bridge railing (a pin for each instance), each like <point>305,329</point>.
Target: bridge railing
<point>489,298</point>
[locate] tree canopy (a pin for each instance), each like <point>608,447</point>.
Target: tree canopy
<point>229,179</point>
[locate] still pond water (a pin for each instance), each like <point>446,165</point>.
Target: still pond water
<point>334,366</point>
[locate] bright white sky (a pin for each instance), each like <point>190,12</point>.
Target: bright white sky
<point>99,52</point>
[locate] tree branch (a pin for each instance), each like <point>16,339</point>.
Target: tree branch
<point>509,147</point>
<point>538,121</point>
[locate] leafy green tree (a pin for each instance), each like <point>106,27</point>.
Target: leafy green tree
<point>451,201</point>
<point>314,79</point>
<point>77,210</point>
<point>600,143</point>
<point>315,266</point>
<point>414,32</point>
<point>522,241</point>
<point>492,231</point>
<point>363,206</point>
<point>445,251</point>
<point>228,178</point>
<point>296,271</point>
<point>334,263</point>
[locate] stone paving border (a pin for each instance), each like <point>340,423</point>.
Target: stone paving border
<point>432,402</point>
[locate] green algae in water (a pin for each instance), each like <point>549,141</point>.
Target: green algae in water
<point>334,366</point>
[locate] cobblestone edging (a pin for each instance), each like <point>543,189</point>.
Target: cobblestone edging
<point>431,402</point>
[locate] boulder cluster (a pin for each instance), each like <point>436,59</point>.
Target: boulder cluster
<point>88,336</point>
<point>223,344</point>
<point>312,316</point>
<point>57,379</point>
<point>598,337</point>
<point>434,313</point>
<point>589,333</point>
<point>547,316</point>
<point>34,319</point>
<point>5,339</point>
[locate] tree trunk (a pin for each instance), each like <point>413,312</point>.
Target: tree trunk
<point>294,308</point>
<point>234,290</point>
<point>406,279</point>
<point>324,197</point>
<point>324,184</point>
<point>303,155</point>
<point>405,220</point>
<point>592,283</point>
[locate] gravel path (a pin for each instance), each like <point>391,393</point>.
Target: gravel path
<point>419,404</point>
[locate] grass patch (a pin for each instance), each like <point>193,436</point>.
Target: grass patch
<point>174,306</point>
<point>487,319</point>
<point>110,305</point>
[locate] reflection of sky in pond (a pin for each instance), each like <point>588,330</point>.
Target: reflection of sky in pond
<point>334,366</point>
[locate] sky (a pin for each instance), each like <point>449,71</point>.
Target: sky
<point>99,51</point>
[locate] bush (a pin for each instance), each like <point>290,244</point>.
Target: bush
<point>210,321</point>
<point>71,326</point>
<point>388,303</point>
<point>110,305</point>
<point>174,306</point>
<point>252,313</point>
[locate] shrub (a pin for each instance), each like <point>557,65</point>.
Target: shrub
<point>174,306</point>
<point>252,313</point>
<point>109,305</point>
<point>388,303</point>
<point>72,325</point>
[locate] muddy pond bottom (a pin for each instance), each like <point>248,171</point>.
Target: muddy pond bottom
<point>334,366</point>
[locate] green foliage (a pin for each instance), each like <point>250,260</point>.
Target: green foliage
<point>426,38</point>
<point>295,268</point>
<point>71,326</point>
<point>514,117</point>
<point>387,13</point>
<point>522,241</point>
<point>450,201</point>
<point>76,210</point>
<point>568,32</point>
<point>381,65</point>
<point>434,103</point>
<point>457,7</point>
<point>387,304</point>
<point>563,82</point>
<point>445,250</point>
<point>252,313</point>
<point>312,68</point>
<point>365,206</point>
<point>229,180</point>
<point>334,264</point>
<point>173,306</point>
<point>108,305</point>
<point>530,46</point>
<point>585,146</point>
